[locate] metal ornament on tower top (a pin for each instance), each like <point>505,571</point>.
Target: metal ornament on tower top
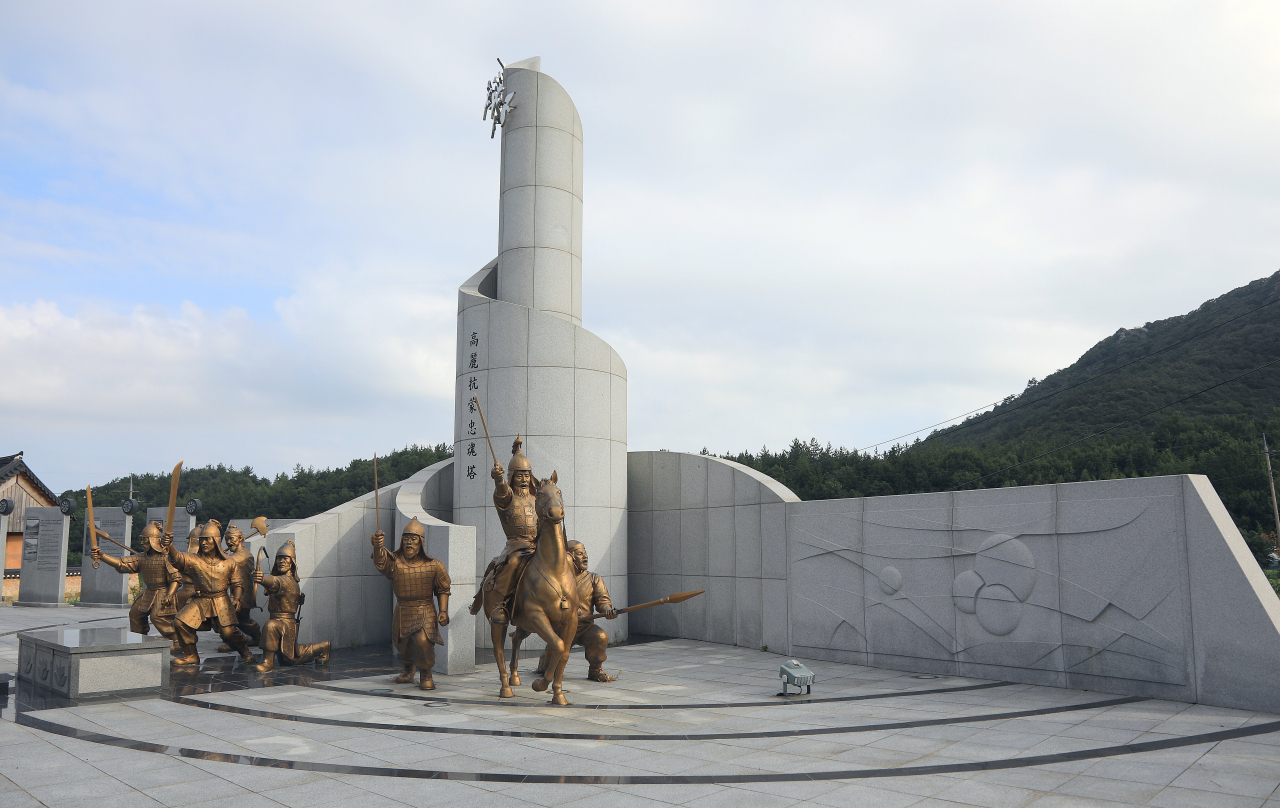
<point>498,103</point>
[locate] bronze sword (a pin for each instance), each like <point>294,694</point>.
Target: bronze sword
<point>93,527</point>
<point>173,497</point>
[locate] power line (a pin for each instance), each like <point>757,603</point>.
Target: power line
<point>1117,426</point>
<point>1008,410</point>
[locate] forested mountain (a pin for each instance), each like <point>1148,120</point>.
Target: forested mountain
<point>1137,370</point>
<point>227,493</point>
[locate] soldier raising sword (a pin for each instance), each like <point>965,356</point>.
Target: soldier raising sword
<point>210,607</point>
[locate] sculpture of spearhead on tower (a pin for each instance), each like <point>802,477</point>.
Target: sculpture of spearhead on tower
<point>498,103</point>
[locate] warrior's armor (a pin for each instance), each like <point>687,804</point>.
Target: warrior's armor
<point>157,577</point>
<point>518,515</point>
<point>592,594</point>
<point>417,584</point>
<point>244,569</point>
<point>244,562</point>
<point>280,634</point>
<point>186,586</point>
<point>210,607</point>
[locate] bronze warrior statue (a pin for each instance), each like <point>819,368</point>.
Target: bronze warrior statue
<point>212,574</point>
<point>516,502</point>
<point>154,603</point>
<point>592,594</point>
<point>280,634</point>
<point>416,578</point>
<point>249,600</point>
<point>546,598</point>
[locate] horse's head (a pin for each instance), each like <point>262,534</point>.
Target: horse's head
<point>550,503</point>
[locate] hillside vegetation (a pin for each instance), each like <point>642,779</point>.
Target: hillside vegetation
<point>1243,332</point>
<point>227,493</point>
<point>1227,449</point>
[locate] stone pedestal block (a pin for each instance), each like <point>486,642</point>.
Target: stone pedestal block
<point>74,663</point>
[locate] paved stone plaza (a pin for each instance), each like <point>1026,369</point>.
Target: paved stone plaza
<point>688,723</point>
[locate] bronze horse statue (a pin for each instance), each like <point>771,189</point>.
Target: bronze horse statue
<point>546,599</point>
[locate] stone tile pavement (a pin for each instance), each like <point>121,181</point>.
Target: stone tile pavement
<point>1079,748</point>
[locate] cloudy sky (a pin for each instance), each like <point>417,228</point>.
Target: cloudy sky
<point>234,232</point>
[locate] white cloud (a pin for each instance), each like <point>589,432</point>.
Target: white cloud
<point>832,220</point>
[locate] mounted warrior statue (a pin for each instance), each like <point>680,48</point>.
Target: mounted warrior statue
<point>516,502</point>
<point>210,608</point>
<point>154,604</point>
<point>416,578</point>
<point>249,600</point>
<point>531,582</point>
<point>280,634</point>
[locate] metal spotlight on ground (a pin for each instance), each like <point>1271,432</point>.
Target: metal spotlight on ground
<point>793,672</point>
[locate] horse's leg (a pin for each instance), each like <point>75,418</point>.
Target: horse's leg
<point>539,623</point>
<point>567,631</point>
<point>499,634</point>
<point>517,637</point>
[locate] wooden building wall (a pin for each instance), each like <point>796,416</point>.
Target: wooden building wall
<point>23,493</point>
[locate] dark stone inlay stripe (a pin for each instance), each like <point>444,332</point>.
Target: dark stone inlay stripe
<point>695,705</point>
<point>709,736</point>
<point>29,720</point>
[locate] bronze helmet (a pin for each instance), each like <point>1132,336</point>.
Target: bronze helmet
<point>287,550</point>
<point>152,535</point>
<point>415,528</point>
<point>213,529</point>
<point>518,461</point>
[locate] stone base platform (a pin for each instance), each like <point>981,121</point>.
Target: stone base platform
<point>92,661</point>
<point>687,723</point>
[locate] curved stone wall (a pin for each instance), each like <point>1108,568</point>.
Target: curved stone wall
<point>1137,586</point>
<point>701,522</point>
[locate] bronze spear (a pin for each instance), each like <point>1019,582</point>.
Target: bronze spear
<point>679,597</point>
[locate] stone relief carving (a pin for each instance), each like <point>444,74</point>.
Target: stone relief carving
<point>1064,588</point>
